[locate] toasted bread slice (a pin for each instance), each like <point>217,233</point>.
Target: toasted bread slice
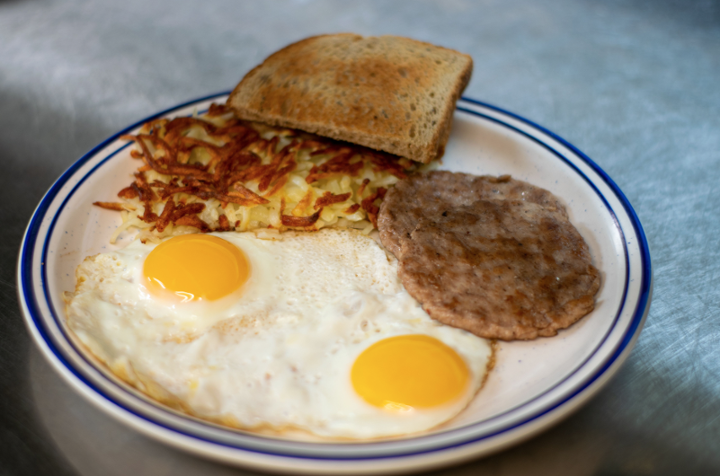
<point>388,93</point>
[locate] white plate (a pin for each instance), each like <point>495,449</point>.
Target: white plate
<point>533,385</point>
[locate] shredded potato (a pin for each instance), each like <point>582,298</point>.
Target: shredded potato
<point>215,172</point>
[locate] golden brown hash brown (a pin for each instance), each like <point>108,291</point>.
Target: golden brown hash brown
<point>218,173</point>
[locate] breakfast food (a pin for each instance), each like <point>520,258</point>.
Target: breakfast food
<point>291,332</point>
<point>215,172</point>
<point>312,332</point>
<point>492,255</point>
<point>388,93</point>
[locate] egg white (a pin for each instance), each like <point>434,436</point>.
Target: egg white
<point>277,354</point>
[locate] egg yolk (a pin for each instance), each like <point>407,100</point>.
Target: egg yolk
<point>195,268</point>
<point>409,371</point>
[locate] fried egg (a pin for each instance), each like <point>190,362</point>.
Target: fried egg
<point>313,332</point>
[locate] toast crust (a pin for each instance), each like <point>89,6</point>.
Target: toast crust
<point>388,93</point>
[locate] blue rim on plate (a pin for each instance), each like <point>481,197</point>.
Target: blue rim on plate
<point>331,452</point>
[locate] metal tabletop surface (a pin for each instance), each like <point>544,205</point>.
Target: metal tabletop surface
<point>633,84</point>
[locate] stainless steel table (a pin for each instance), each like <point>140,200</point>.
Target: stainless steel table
<point>635,85</point>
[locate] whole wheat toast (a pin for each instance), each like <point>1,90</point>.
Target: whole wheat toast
<point>388,93</point>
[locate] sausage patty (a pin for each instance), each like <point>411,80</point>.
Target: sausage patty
<point>495,256</point>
